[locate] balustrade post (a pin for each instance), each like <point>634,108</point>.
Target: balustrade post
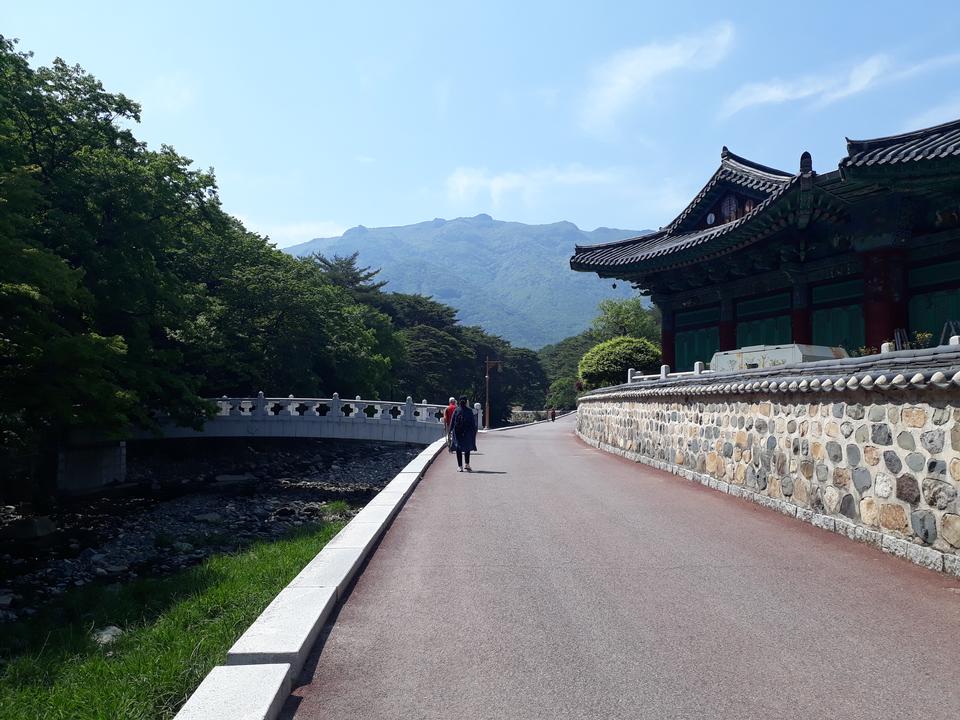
<point>664,371</point>
<point>260,405</point>
<point>408,410</point>
<point>630,373</point>
<point>335,413</point>
<point>478,414</point>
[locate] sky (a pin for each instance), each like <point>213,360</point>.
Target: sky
<point>320,116</point>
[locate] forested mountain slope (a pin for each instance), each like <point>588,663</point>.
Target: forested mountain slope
<point>510,278</point>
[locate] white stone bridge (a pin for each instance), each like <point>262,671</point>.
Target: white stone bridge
<point>293,417</point>
<point>87,464</point>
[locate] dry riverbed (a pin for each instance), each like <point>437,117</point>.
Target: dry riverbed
<point>187,500</point>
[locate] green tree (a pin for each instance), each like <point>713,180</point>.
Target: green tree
<point>629,317</point>
<point>607,363</point>
<point>345,272</point>
<point>562,394</point>
<point>408,310</point>
<point>437,364</point>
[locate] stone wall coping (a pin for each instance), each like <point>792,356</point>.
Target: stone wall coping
<point>915,369</point>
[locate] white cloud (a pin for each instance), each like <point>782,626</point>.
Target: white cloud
<point>629,75</point>
<point>466,184</point>
<point>940,113</point>
<point>570,192</point>
<point>286,234</point>
<point>365,159</point>
<point>825,89</point>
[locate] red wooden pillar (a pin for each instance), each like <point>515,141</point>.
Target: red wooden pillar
<point>668,336</point>
<point>728,325</point>
<point>884,307</point>
<point>801,325</point>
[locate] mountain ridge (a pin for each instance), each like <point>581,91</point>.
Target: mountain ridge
<point>511,278</point>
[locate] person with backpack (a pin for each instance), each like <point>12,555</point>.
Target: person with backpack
<point>463,434</point>
<point>447,419</point>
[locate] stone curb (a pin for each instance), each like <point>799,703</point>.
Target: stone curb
<point>255,680</point>
<point>241,692</point>
<point>921,555</point>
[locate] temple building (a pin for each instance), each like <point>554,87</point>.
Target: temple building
<point>852,258</point>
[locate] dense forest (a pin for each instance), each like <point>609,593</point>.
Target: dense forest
<point>127,292</point>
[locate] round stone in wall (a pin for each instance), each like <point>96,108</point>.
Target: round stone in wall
<point>862,479</point>
<point>786,486</point>
<point>950,528</point>
<point>831,499</point>
<point>893,517</point>
<point>916,462</point>
<point>892,461</point>
<point>914,417</point>
<point>924,525</point>
<point>906,441</point>
<point>834,452</point>
<point>853,455</point>
<point>884,486</point>
<point>932,441</point>
<point>936,468</point>
<point>907,489</point>
<point>848,506</point>
<point>880,434</point>
<point>938,494</point>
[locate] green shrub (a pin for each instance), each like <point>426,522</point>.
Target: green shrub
<point>607,363</point>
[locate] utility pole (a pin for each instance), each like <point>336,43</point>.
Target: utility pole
<point>488,363</point>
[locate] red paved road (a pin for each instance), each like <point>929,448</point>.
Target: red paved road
<point>561,582</point>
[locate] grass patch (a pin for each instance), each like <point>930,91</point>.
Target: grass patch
<point>176,629</point>
<point>336,507</point>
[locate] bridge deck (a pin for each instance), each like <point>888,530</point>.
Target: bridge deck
<point>560,582</point>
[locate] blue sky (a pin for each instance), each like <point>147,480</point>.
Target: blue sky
<point>321,116</point>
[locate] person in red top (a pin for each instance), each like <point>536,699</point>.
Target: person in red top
<point>447,415</point>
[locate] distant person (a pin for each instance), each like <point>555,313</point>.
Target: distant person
<point>447,417</point>
<point>463,434</point>
<point>553,415</point>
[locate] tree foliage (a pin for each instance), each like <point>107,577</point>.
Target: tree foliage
<point>607,363</point>
<point>629,317</point>
<point>126,291</point>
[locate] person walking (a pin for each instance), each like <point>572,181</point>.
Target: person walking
<point>447,419</point>
<point>463,434</point>
<point>553,415</point>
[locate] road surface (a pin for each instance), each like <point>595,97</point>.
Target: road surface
<point>558,581</point>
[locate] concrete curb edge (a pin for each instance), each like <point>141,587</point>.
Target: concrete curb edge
<point>263,662</point>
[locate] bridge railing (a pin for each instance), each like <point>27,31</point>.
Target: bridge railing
<point>335,409</point>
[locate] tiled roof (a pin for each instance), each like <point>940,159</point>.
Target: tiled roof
<point>738,171</point>
<point>672,239</point>
<point>941,141</point>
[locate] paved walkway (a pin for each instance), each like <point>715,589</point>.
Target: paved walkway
<point>558,581</point>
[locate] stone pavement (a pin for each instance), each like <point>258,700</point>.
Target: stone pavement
<point>558,581</point>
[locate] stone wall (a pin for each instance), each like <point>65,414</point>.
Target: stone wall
<point>881,467</point>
